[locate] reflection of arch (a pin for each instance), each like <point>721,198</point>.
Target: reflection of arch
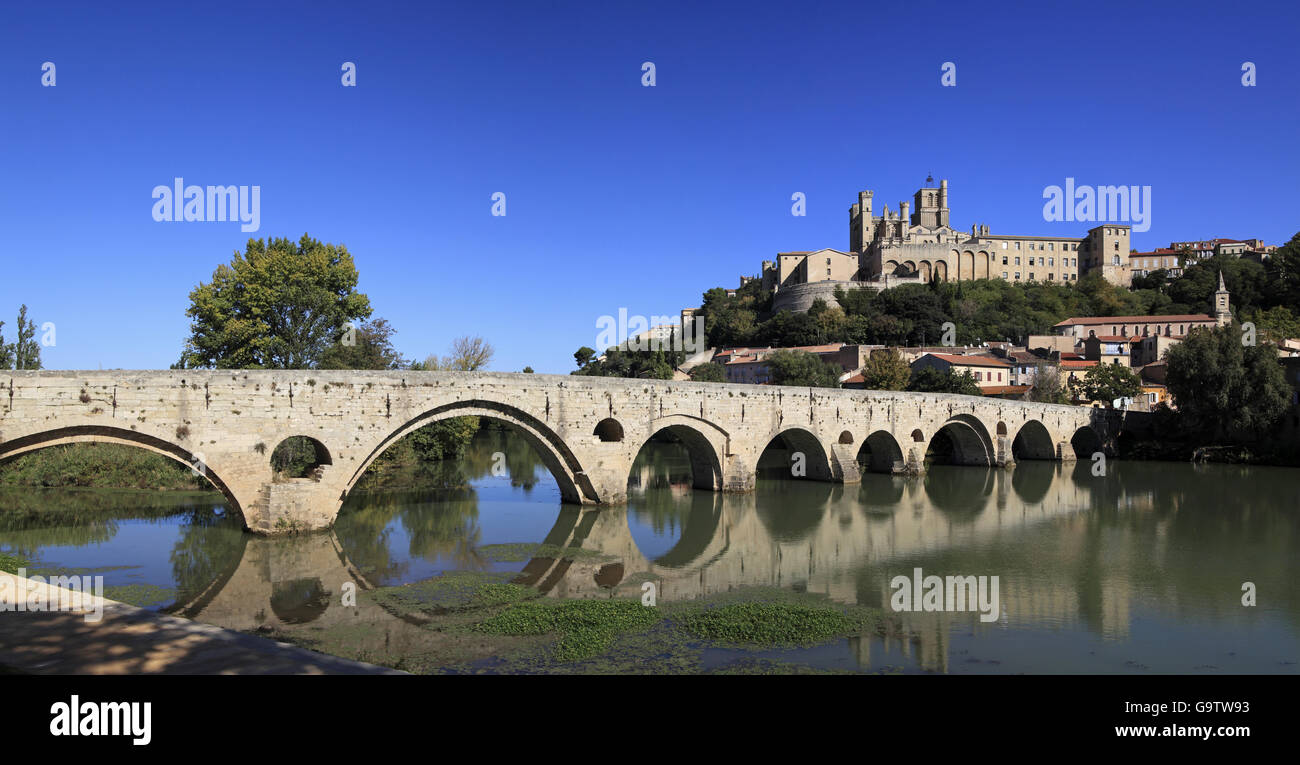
<point>556,455</point>
<point>111,435</point>
<point>969,440</point>
<point>609,429</point>
<point>299,601</point>
<point>1032,480</point>
<point>1033,442</point>
<point>1086,442</point>
<point>698,531</point>
<point>958,491</point>
<point>816,462</point>
<point>706,467</point>
<point>880,453</point>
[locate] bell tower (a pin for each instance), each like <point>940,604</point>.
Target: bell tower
<point>1222,313</point>
<point>931,205</point>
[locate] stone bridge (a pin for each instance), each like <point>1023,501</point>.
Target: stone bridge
<point>587,430</point>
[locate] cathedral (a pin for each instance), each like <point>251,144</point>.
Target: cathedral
<point>916,243</point>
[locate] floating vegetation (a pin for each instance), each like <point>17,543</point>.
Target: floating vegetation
<point>141,595</point>
<point>586,627</point>
<point>774,624</point>
<point>453,591</point>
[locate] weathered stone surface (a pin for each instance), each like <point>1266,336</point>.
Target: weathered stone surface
<point>230,421</point>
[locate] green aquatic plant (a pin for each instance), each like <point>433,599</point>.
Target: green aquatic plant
<point>586,627</point>
<point>779,624</point>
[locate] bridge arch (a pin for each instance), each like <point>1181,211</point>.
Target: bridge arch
<point>967,442</point>
<point>706,463</point>
<point>1033,442</point>
<point>608,430</point>
<point>555,454</point>
<point>816,458</point>
<point>296,446</point>
<point>1086,442</point>
<point>104,434</point>
<point>880,453</point>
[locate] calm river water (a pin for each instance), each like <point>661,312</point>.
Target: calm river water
<point>1139,571</point>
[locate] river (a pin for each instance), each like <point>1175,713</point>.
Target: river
<point>1139,570</point>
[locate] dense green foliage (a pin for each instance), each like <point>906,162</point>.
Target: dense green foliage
<point>586,627</point>
<point>25,351</point>
<point>803,369</point>
<point>886,371</point>
<point>101,466</point>
<point>1223,388</point>
<point>278,305</point>
<point>1106,382</point>
<point>781,624</point>
<point>930,380</point>
<point>709,372</point>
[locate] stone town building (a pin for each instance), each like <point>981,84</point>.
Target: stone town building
<point>988,372</point>
<point>907,245</point>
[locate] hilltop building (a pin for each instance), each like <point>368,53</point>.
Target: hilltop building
<point>906,245</point>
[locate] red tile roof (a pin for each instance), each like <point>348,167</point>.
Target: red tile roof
<point>1078,364</point>
<point>999,390</point>
<point>969,361</point>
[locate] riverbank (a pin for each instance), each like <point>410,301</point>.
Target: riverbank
<point>99,466</point>
<point>131,640</point>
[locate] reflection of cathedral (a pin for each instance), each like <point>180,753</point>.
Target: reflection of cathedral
<point>900,246</point>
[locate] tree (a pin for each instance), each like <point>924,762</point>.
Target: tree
<point>886,371</point>
<point>469,354</point>
<point>26,350</point>
<point>6,353</point>
<point>369,346</point>
<point>1047,387</point>
<point>803,369</point>
<point>278,305</point>
<point>1106,382</point>
<point>584,355</point>
<point>1224,388</point>
<point>710,371</point>
<point>931,380</point>
<point>527,370</point>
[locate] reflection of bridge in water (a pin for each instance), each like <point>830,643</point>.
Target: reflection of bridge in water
<point>814,537</point>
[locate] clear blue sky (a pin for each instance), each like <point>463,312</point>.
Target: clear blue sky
<point>617,195</point>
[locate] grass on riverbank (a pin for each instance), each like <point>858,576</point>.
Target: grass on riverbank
<point>99,466</point>
<point>10,563</point>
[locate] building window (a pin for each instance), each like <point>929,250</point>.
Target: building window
<point>1051,246</point>
<point>1017,276</point>
<point>1017,262</point>
<point>1031,276</point>
<point>1004,274</point>
<point>1051,277</point>
<point>1017,247</point>
<point>1004,260</point>
<point>1051,261</point>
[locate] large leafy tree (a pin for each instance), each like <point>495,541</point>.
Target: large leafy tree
<point>931,380</point>
<point>803,369</point>
<point>886,370</point>
<point>279,304</point>
<point>25,351</point>
<point>369,346</point>
<point>1107,382</point>
<point>1224,388</point>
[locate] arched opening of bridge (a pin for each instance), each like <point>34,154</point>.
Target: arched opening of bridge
<point>609,430</point>
<point>454,452</point>
<point>794,453</point>
<point>74,456</point>
<point>679,457</point>
<point>299,457</point>
<point>880,453</point>
<point>1033,442</point>
<point>962,440</point>
<point>1086,442</point>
